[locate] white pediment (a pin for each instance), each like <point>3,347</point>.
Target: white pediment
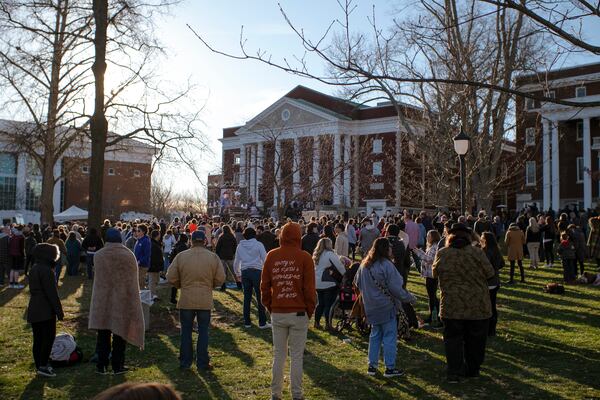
<point>287,114</point>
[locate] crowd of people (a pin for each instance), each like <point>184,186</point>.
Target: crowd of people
<point>294,271</point>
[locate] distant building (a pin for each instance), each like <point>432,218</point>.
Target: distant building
<point>559,143</point>
<point>303,148</point>
<point>323,151</point>
<point>213,193</point>
<point>127,180</point>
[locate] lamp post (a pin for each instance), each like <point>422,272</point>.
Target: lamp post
<point>461,146</point>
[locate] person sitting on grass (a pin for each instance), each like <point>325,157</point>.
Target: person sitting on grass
<point>139,391</point>
<point>44,306</point>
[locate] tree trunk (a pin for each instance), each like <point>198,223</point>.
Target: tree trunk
<point>98,123</point>
<point>47,197</point>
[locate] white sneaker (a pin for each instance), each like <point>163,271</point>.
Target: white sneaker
<point>265,326</point>
<point>19,286</point>
<point>247,326</point>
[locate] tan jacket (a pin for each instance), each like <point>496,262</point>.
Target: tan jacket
<point>196,272</point>
<point>515,239</point>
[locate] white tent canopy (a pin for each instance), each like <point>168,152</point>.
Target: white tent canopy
<point>71,214</point>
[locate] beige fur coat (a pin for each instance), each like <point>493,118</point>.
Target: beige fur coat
<point>116,304</point>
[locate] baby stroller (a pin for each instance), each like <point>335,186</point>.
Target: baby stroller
<point>341,315</point>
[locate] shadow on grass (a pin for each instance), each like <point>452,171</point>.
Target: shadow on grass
<point>199,384</point>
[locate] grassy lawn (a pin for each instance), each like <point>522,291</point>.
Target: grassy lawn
<point>548,346</point>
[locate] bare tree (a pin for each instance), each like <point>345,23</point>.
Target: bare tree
<point>163,200</point>
<point>570,22</point>
<point>457,61</point>
<point>46,59</point>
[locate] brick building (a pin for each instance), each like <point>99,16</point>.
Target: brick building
<point>127,180</point>
<point>557,142</point>
<point>316,148</point>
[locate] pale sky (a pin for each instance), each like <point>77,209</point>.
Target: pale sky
<point>235,91</point>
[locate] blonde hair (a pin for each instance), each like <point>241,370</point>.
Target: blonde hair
<point>323,245</point>
<point>533,224</point>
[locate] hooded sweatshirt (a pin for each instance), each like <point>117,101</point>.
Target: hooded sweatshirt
<point>288,277</point>
<point>249,254</point>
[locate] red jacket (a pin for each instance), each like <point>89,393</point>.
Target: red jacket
<point>288,276</point>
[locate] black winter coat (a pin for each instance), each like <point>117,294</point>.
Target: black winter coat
<point>156,257</point>
<point>267,239</point>
<point>401,257</point>
<point>178,248</point>
<point>309,242</point>
<point>226,246</point>
<point>44,303</point>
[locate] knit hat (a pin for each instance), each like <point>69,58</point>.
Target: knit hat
<point>198,236</point>
<point>113,235</point>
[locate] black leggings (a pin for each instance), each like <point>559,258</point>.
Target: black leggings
<point>549,252</point>
<point>494,317</point>
<point>43,339</point>
<point>512,270</point>
<point>326,300</point>
<point>431,285</point>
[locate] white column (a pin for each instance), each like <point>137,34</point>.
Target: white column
<point>546,164</point>
<point>587,165</point>
<point>56,195</point>
<point>251,172</point>
<point>398,167</point>
<point>276,169</point>
<point>259,172</point>
<point>555,168</point>
<point>243,165</point>
<point>296,177</point>
<point>347,169</point>
<point>21,191</point>
<point>336,168</point>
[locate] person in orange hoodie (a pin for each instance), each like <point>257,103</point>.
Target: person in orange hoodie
<point>288,292</point>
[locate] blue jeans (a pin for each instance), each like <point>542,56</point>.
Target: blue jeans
<point>167,261</point>
<point>89,262</point>
<point>387,334</point>
<point>250,282</point>
<point>186,349</point>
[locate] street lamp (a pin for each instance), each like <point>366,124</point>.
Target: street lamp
<point>461,147</point>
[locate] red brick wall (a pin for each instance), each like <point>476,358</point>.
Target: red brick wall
<point>123,192</point>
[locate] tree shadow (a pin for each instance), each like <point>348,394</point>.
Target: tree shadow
<point>199,385</point>
<point>7,295</point>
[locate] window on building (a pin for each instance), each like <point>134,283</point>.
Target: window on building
<point>551,94</point>
<point>530,173</point>
<point>33,186</point>
<point>236,178</point>
<point>8,181</point>
<point>137,173</point>
<point>579,131</point>
<point>411,147</point>
<point>580,170</point>
<point>377,168</point>
<point>377,186</point>
<point>111,172</point>
<point>530,137</point>
<point>529,104</point>
<point>377,146</point>
<point>236,159</point>
<point>580,91</point>
<point>85,169</point>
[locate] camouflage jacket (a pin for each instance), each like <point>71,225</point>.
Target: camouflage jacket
<point>463,274</point>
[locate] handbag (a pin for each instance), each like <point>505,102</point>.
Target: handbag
<point>331,274</point>
<point>403,322</point>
